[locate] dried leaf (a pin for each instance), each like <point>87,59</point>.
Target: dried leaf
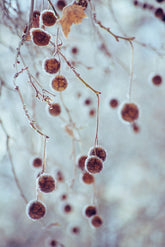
<point>71,14</point>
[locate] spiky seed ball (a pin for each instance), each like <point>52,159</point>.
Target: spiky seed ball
<point>129,112</point>
<point>82,3</point>
<point>59,83</point>
<point>51,65</point>
<point>67,208</point>
<point>96,221</point>
<point>88,178</point>
<point>99,152</point>
<point>40,37</point>
<point>37,162</point>
<point>46,183</point>
<point>157,80</point>
<point>81,162</point>
<point>93,164</point>
<point>48,18</point>
<point>114,103</point>
<point>90,211</point>
<point>36,210</point>
<point>75,230</point>
<point>54,109</point>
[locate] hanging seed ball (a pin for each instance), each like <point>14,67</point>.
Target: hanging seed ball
<point>75,230</point>
<point>135,127</point>
<point>39,37</point>
<point>53,243</point>
<point>61,4</point>
<point>157,80</point>
<point>64,197</point>
<point>90,211</point>
<point>54,109</point>
<point>159,13</point>
<point>60,177</point>
<point>36,210</point>
<point>82,3</point>
<point>93,164</point>
<point>37,162</point>
<point>87,101</point>
<point>96,221</point>
<point>74,50</point>
<point>114,103</point>
<point>92,112</point>
<point>81,162</point>
<point>99,152</point>
<point>48,18</point>
<point>59,83</point>
<point>46,183</point>
<point>67,208</point>
<point>88,178</point>
<point>51,65</point>
<point>130,112</point>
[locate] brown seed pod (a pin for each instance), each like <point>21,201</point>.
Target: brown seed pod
<point>129,112</point>
<point>157,80</point>
<point>37,162</point>
<point>46,183</point>
<point>96,221</point>
<point>54,109</point>
<point>59,83</point>
<point>90,211</point>
<point>81,162</point>
<point>51,65</point>
<point>61,4</point>
<point>67,208</point>
<point>93,164</point>
<point>60,176</point>
<point>40,37</point>
<point>36,210</point>
<point>48,18</point>
<point>88,178</point>
<point>75,230</point>
<point>114,103</point>
<point>92,112</point>
<point>99,152</point>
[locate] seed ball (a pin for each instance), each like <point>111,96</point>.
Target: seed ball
<point>88,178</point>
<point>54,109</point>
<point>59,83</point>
<point>159,13</point>
<point>90,211</point>
<point>40,37</point>
<point>36,210</point>
<point>67,208</point>
<point>96,221</point>
<point>114,103</point>
<point>93,164</point>
<point>92,112</point>
<point>157,80</point>
<point>51,65</point>
<point>81,162</point>
<point>135,127</point>
<point>37,162</point>
<point>75,230</point>
<point>99,152</point>
<point>48,18</point>
<point>130,112</point>
<point>61,4</point>
<point>74,50</point>
<point>46,183</point>
<point>60,176</point>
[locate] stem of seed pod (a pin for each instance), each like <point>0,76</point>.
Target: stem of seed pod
<point>54,9</point>
<point>97,121</point>
<point>79,77</point>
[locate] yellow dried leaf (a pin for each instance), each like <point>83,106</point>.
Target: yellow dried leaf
<point>71,14</point>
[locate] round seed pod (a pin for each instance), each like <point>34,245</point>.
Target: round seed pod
<point>35,210</point>
<point>54,109</point>
<point>88,178</point>
<point>82,3</point>
<point>51,65</point>
<point>67,208</point>
<point>61,4</point>
<point>46,183</point>
<point>90,211</point>
<point>75,230</point>
<point>114,103</point>
<point>92,113</point>
<point>40,37</point>
<point>60,176</point>
<point>59,83</point>
<point>48,18</point>
<point>99,152</point>
<point>81,162</point>
<point>96,221</point>
<point>93,164</point>
<point>157,80</point>
<point>37,162</point>
<point>130,112</point>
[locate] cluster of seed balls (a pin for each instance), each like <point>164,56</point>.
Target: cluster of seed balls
<point>90,165</point>
<point>52,65</point>
<point>158,12</point>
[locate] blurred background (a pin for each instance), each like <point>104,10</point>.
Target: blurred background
<point>129,192</point>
